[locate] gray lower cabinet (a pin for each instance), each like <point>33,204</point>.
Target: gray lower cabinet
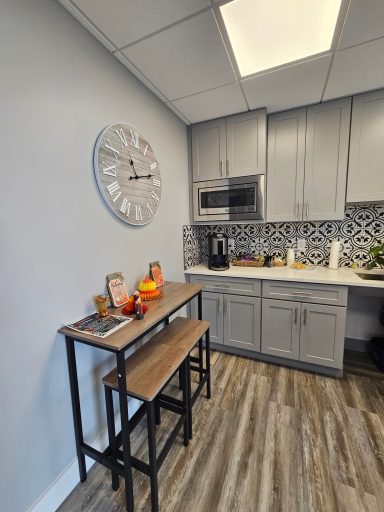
<point>312,333</point>
<point>213,313</point>
<point>322,335</point>
<point>235,319</point>
<point>281,328</point>
<point>242,322</point>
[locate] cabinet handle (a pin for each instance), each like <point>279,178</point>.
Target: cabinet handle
<point>296,314</point>
<point>222,285</point>
<point>221,166</point>
<point>298,210</point>
<point>225,305</point>
<point>301,294</point>
<point>227,167</point>
<point>307,209</point>
<point>305,316</point>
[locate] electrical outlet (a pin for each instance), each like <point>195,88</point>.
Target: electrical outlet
<point>301,244</point>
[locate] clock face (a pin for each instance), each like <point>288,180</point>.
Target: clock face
<point>128,174</point>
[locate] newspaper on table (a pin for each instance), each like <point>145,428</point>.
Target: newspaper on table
<point>100,327</point>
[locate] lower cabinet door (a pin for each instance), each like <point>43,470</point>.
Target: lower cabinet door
<point>213,313</point>
<point>280,333</point>
<point>322,335</point>
<point>242,322</point>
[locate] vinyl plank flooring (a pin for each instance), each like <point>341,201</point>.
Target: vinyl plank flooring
<point>270,439</point>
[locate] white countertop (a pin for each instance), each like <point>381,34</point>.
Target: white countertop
<point>342,276</point>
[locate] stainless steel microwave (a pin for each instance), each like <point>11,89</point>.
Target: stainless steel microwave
<point>229,199</point>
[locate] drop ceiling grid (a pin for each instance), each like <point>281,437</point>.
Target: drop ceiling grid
<point>360,26</point>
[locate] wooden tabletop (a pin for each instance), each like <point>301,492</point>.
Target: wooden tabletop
<point>174,296</point>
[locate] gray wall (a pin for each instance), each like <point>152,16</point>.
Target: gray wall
<point>59,88</point>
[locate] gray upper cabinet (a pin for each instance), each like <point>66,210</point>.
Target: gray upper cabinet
<point>246,144</point>
<point>281,328</point>
<point>242,322</point>
<point>322,335</point>
<point>307,162</point>
<point>286,155</point>
<point>366,157</point>
<point>230,147</point>
<point>326,160</point>
<point>209,150</point>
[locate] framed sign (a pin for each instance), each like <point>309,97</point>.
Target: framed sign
<point>117,289</point>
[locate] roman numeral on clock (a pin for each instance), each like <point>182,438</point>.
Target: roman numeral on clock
<point>149,209</point>
<point>109,169</point>
<point>156,183</point>
<point>125,207</point>
<point>145,150</point>
<point>120,133</point>
<point>114,191</point>
<point>134,139</point>
<point>153,166</point>
<point>155,197</point>
<point>109,146</point>
<point>139,215</point>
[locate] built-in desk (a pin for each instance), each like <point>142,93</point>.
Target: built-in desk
<point>175,296</point>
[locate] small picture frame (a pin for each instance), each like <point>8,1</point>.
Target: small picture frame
<point>117,289</point>
<point>156,273</point>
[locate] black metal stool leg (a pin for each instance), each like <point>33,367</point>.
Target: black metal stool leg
<point>184,376</point>
<point>208,362</point>
<point>180,378</point>
<point>111,433</point>
<point>150,406</point>
<point>201,360</point>
<point>188,364</point>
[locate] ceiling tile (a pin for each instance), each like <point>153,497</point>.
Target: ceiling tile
<point>185,59</point>
<point>179,115</point>
<point>364,22</point>
<point>126,21</point>
<point>288,87</point>
<point>357,69</point>
<point>211,104</point>
<point>123,59</point>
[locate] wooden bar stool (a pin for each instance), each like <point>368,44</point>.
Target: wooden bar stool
<point>148,371</point>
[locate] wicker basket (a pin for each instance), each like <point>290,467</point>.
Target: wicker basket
<point>247,263</point>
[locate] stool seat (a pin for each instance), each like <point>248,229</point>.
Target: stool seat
<point>150,367</point>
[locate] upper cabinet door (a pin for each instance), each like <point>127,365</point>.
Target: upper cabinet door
<point>286,155</point>
<point>209,150</point>
<point>246,144</point>
<point>366,156</point>
<point>326,160</point>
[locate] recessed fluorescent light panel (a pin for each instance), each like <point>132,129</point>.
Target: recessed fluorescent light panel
<point>269,33</point>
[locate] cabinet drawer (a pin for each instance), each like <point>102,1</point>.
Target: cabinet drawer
<point>235,286</point>
<point>306,292</point>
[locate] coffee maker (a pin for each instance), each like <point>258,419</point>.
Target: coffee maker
<point>218,252</point>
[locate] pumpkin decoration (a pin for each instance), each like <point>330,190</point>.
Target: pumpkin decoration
<point>130,308</point>
<point>147,289</point>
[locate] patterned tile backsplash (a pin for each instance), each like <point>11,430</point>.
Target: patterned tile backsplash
<point>362,227</point>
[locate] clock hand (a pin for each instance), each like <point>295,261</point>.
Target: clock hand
<point>139,177</point>
<point>133,167</point>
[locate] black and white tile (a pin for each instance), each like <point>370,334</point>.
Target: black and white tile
<point>362,227</point>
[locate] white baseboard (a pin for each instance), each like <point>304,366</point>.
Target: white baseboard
<point>56,493</point>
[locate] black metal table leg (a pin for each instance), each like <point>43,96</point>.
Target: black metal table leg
<point>186,400</point>
<point>201,360</point>
<point>126,442</point>
<point>208,362</point>
<point>200,305</point>
<point>189,393</point>
<point>76,411</point>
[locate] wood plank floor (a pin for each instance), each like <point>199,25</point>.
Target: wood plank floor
<point>270,439</point>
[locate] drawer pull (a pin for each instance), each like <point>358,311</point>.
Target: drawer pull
<point>222,285</point>
<point>302,294</point>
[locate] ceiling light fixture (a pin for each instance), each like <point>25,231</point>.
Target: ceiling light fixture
<point>268,33</point>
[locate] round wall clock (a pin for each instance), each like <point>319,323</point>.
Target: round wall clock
<point>128,174</point>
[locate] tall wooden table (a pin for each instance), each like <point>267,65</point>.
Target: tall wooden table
<point>175,296</point>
